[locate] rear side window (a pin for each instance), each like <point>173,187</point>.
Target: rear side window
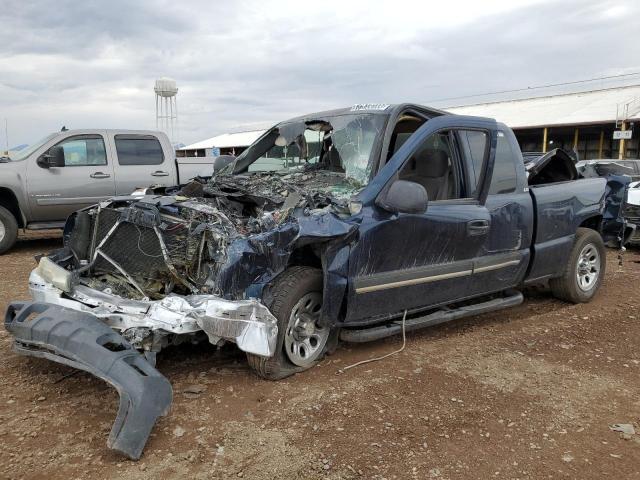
<point>504,178</point>
<point>138,150</point>
<point>84,151</point>
<point>474,146</point>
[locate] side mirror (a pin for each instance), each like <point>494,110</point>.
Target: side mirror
<point>54,157</point>
<point>404,197</point>
<point>222,161</point>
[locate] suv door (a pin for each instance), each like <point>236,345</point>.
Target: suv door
<point>86,179</point>
<point>141,162</point>
<point>412,261</point>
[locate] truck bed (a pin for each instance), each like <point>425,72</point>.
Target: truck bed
<point>559,209</point>
<point>191,167</point>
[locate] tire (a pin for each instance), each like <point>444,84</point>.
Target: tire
<point>8,230</point>
<point>297,298</point>
<point>584,272</point>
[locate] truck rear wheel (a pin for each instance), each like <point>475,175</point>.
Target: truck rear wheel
<point>8,230</point>
<point>302,342</point>
<point>585,268</point>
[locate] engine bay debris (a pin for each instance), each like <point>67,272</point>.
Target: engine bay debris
<point>152,246</point>
<point>154,267</point>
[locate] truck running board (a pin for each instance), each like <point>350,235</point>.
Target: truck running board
<point>361,335</point>
<point>45,225</point>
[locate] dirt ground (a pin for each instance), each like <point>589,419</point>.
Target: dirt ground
<point>529,392</point>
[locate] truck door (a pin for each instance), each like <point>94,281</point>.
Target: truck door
<point>411,261</point>
<point>141,161</point>
<point>504,257</point>
<point>87,178</point>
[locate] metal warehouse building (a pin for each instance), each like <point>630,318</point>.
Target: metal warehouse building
<point>225,144</point>
<point>586,122</point>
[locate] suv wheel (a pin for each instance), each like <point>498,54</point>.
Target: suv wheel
<point>585,268</point>
<point>302,342</point>
<point>8,230</point>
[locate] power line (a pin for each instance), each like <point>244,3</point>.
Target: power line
<point>537,87</point>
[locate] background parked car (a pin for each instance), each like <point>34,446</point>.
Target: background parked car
<point>69,170</point>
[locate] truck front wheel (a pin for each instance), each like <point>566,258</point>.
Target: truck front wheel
<point>8,230</point>
<point>302,342</point>
<point>584,271</point>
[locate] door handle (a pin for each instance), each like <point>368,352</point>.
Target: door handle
<point>99,175</point>
<point>160,173</point>
<point>477,227</point>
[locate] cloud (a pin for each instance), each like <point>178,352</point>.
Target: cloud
<point>93,64</point>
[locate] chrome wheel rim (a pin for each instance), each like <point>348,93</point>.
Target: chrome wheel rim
<point>588,270</point>
<point>304,339</point>
<point>3,231</point>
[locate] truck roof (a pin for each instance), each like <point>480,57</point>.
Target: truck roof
<point>371,108</point>
<point>82,131</point>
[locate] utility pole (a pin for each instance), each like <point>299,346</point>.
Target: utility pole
<point>6,133</point>
<point>621,149</point>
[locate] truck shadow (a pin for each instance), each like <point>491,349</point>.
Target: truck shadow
<point>37,242</point>
<point>174,361</point>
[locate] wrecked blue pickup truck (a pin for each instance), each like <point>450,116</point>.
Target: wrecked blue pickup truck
<point>350,225</point>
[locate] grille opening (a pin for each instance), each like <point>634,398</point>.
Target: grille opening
<point>112,342</point>
<point>115,347</point>
<point>155,261</point>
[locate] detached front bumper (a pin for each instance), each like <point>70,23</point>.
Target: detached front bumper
<point>82,341</point>
<point>80,327</point>
<point>248,323</point>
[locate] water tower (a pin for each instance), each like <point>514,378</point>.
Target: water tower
<point>167,107</point>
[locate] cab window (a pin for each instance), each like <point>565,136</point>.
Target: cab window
<point>473,145</point>
<point>405,127</point>
<point>433,166</point>
<point>289,156</point>
<point>84,151</point>
<point>138,150</point>
<point>504,179</point>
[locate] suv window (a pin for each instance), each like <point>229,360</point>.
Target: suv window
<point>432,166</point>
<point>504,177</point>
<point>138,150</point>
<point>84,151</point>
<point>474,146</point>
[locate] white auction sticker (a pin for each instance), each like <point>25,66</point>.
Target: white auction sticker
<point>369,106</point>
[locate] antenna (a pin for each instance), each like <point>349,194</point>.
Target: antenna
<point>166,90</point>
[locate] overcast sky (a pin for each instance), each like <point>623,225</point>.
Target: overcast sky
<point>93,64</point>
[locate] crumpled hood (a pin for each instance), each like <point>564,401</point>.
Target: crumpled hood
<point>228,236</point>
<point>310,186</point>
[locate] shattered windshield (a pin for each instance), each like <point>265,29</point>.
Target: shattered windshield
<point>342,143</point>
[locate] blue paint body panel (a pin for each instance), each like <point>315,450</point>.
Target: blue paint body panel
<point>418,261</point>
<point>377,263</point>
